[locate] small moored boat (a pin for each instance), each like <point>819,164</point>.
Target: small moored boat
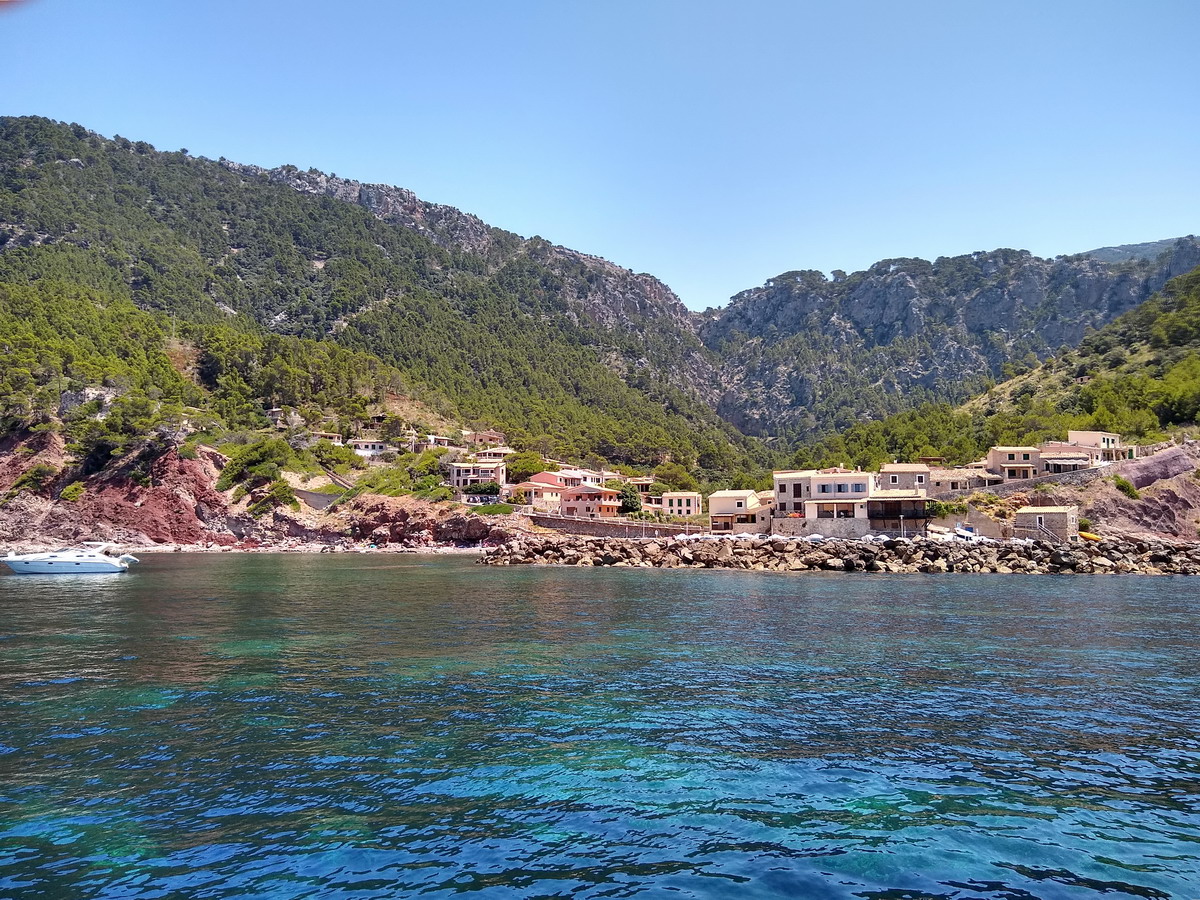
<point>93,557</point>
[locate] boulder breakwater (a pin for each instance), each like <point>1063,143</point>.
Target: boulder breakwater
<point>765,554</point>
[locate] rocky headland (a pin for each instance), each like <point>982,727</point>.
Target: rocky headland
<point>172,503</point>
<point>762,554</point>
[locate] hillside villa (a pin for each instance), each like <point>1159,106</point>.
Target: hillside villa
<point>576,477</point>
<point>591,502</point>
<point>489,437</point>
<point>493,454</point>
<point>464,474</point>
<point>1108,443</point>
<point>539,494</point>
<point>370,447</point>
<point>1014,463</point>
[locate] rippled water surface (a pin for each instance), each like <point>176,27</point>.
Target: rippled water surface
<point>386,726</point>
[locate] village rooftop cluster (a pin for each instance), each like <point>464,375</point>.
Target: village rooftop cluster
<point>832,502</point>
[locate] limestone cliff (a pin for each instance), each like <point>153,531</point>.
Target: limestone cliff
<point>803,354</point>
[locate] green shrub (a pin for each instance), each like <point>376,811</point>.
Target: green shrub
<point>1125,486</point>
<point>280,493</point>
<point>940,509</point>
<point>187,451</point>
<point>34,478</point>
<point>486,489</point>
<point>1085,524</point>
<point>73,491</point>
<point>493,509</point>
<point>259,462</point>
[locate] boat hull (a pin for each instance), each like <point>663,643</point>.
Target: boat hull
<point>64,567</point>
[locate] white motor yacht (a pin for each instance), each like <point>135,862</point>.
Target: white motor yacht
<point>93,557</point>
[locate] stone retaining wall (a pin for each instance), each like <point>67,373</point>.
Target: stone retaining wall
<point>611,527</point>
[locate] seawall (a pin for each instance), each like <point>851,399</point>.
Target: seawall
<point>893,556</point>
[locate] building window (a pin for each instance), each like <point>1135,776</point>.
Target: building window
<point>1012,457</point>
<point>895,479</point>
<point>783,489</point>
<point>1025,456</point>
<point>920,479</point>
<point>860,488</point>
<point>737,504</point>
<point>825,489</point>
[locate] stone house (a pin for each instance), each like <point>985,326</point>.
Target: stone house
<point>1043,523</point>
<point>898,476</point>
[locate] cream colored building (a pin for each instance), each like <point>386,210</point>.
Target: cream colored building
<point>739,512</point>
<point>493,454</point>
<point>1014,463</point>
<point>540,495</point>
<point>682,503</point>
<point>1107,442</point>
<point>463,474</point>
<point>823,493</point>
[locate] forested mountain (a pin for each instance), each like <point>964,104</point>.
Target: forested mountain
<point>804,354</point>
<point>559,349</point>
<point>564,351</point>
<point>1138,376</point>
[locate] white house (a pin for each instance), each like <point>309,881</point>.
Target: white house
<point>369,447</point>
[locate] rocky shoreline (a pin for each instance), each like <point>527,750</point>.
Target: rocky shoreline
<point>764,554</point>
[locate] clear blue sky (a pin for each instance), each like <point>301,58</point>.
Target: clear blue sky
<point>714,145</point>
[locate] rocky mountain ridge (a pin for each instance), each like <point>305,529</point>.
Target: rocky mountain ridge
<point>805,353</point>
<point>595,292</point>
<point>524,334</point>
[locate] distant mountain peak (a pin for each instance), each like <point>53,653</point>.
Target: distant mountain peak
<point>1151,250</point>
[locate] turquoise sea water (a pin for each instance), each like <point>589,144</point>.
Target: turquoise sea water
<point>391,726</point>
